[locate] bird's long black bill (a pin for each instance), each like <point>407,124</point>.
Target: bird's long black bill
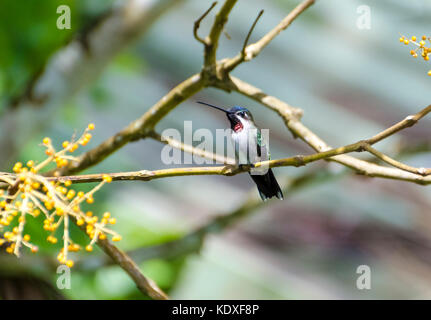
<point>212,106</point>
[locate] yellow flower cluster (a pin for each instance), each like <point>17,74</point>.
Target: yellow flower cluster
<point>31,194</point>
<point>422,49</point>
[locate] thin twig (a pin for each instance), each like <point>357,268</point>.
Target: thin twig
<point>254,49</point>
<point>198,23</point>
<point>407,122</point>
<point>395,163</point>
<point>249,52</point>
<point>250,32</point>
<point>190,149</point>
<point>231,64</point>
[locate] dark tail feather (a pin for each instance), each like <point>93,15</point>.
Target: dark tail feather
<point>267,185</point>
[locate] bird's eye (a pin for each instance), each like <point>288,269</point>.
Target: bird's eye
<point>242,113</point>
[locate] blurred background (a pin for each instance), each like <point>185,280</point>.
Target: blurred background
<point>208,237</point>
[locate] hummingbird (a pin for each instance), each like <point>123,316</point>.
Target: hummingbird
<point>244,136</point>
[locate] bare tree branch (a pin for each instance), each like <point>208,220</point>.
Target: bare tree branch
<point>254,49</point>
<point>305,134</point>
<point>395,163</point>
<point>419,174</point>
<point>140,128</point>
<point>249,52</point>
<point>211,42</point>
<point>407,122</point>
<point>192,242</point>
<point>232,63</point>
<point>198,23</point>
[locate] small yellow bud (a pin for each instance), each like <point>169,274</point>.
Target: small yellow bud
<point>116,238</point>
<point>18,165</point>
<point>52,239</point>
<point>70,194</point>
